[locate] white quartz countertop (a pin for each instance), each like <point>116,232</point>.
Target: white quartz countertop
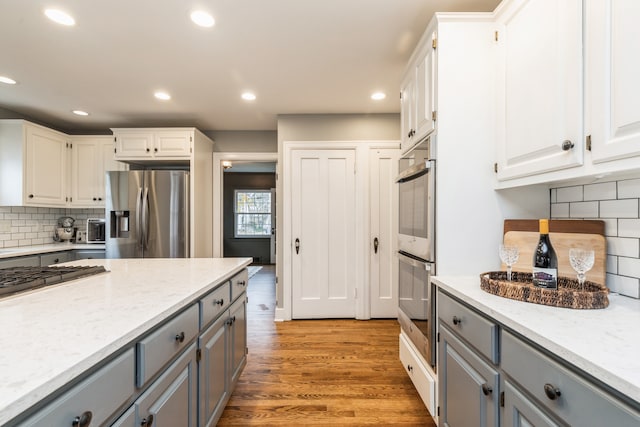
<point>43,249</point>
<point>604,343</point>
<point>51,335</point>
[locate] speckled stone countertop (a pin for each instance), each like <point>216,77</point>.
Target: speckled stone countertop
<point>43,249</point>
<point>604,343</point>
<point>54,334</point>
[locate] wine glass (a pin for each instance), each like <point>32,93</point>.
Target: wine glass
<point>581,261</point>
<point>509,256</point>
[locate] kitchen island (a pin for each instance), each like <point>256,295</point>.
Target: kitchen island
<point>588,354</point>
<point>55,335</point>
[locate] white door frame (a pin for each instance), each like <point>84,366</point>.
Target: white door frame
<point>218,190</point>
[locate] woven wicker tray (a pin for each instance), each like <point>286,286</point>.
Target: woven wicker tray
<point>568,294</point>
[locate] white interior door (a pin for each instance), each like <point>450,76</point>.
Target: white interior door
<point>323,233</point>
<point>383,263</point>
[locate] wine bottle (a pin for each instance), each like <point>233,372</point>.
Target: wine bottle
<point>545,261</point>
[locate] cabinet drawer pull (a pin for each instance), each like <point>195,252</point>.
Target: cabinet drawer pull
<point>567,145</point>
<point>457,320</point>
<point>486,390</point>
<point>241,282</point>
<point>57,260</point>
<point>219,302</point>
<point>551,391</point>
<point>83,420</point>
<point>147,422</point>
<point>148,150</point>
<point>180,337</point>
<point>409,368</point>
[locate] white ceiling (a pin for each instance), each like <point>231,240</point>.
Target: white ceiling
<point>298,56</point>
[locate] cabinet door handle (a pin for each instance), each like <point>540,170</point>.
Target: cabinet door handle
<point>83,420</point>
<point>100,199</point>
<point>180,337</point>
<point>297,246</point>
<point>486,390</point>
<point>567,145</point>
<point>241,282</point>
<point>375,245</point>
<point>155,150</point>
<point>147,422</point>
<point>457,320</point>
<point>57,260</point>
<point>551,391</point>
<point>219,302</point>
<point>31,196</point>
<point>94,199</point>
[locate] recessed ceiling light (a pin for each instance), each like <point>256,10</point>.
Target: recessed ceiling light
<point>60,17</point>
<point>377,96</point>
<point>202,18</point>
<point>162,95</point>
<point>7,80</point>
<point>80,113</point>
<point>248,96</point>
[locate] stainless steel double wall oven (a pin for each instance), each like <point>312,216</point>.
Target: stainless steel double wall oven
<point>416,247</point>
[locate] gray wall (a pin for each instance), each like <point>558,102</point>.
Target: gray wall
<point>255,248</point>
<point>264,141</point>
<point>326,127</point>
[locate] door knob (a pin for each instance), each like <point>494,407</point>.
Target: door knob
<point>297,246</point>
<point>375,245</point>
<point>567,145</point>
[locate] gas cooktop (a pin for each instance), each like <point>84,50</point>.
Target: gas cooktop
<point>18,279</point>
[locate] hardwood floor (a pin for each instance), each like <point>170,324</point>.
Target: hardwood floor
<point>320,372</point>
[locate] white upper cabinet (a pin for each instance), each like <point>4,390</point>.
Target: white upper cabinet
<point>33,165</point>
<point>417,93</point>
<point>613,84</point>
<point>149,144</point>
<point>91,157</point>
<point>540,87</point>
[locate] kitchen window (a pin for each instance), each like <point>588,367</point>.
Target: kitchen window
<point>252,211</point>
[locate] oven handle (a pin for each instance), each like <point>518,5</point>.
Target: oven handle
<point>414,262</point>
<point>415,171</point>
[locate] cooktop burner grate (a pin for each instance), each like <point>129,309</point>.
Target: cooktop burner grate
<point>19,279</point>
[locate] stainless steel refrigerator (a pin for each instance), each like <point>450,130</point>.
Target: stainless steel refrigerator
<point>147,214</point>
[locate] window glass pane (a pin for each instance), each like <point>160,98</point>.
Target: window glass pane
<point>253,213</point>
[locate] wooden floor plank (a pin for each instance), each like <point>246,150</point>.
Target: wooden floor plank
<point>337,372</point>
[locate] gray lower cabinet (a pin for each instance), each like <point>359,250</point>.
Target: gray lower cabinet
<point>25,261</point>
<point>529,387</point>
<point>55,258</point>
<point>94,400</point>
<point>468,386</point>
<point>223,349</point>
<point>520,411</point>
<point>213,379</point>
<point>89,254</point>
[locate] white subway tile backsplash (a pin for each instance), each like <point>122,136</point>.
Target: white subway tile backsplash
<point>629,267</point>
<point>619,208</point>
<point>629,227</point>
<point>612,264</point>
<point>602,191</point>
<point>583,210</point>
<point>629,188</point>
<point>623,247</point>
<point>26,226</point>
<point>629,286</point>
<point>554,195</point>
<point>560,210</point>
<point>610,226</point>
<point>570,194</point>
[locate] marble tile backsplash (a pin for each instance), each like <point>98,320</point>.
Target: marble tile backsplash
<point>26,226</point>
<point>617,203</point>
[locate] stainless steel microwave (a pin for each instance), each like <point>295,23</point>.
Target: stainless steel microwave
<point>95,230</point>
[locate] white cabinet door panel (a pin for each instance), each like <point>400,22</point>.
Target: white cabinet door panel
<point>323,227</point>
<point>613,88</point>
<point>540,106</point>
<point>46,167</point>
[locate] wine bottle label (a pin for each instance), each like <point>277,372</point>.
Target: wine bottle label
<point>545,277</point>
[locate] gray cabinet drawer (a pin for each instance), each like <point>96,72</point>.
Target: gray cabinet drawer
<point>239,284</point>
<point>101,395</point>
<point>25,261</point>
<point>54,258</point>
<point>214,304</point>
<point>158,348</point>
<point>477,330</point>
<point>575,401</point>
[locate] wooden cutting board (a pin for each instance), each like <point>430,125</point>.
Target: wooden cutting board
<point>564,234</point>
